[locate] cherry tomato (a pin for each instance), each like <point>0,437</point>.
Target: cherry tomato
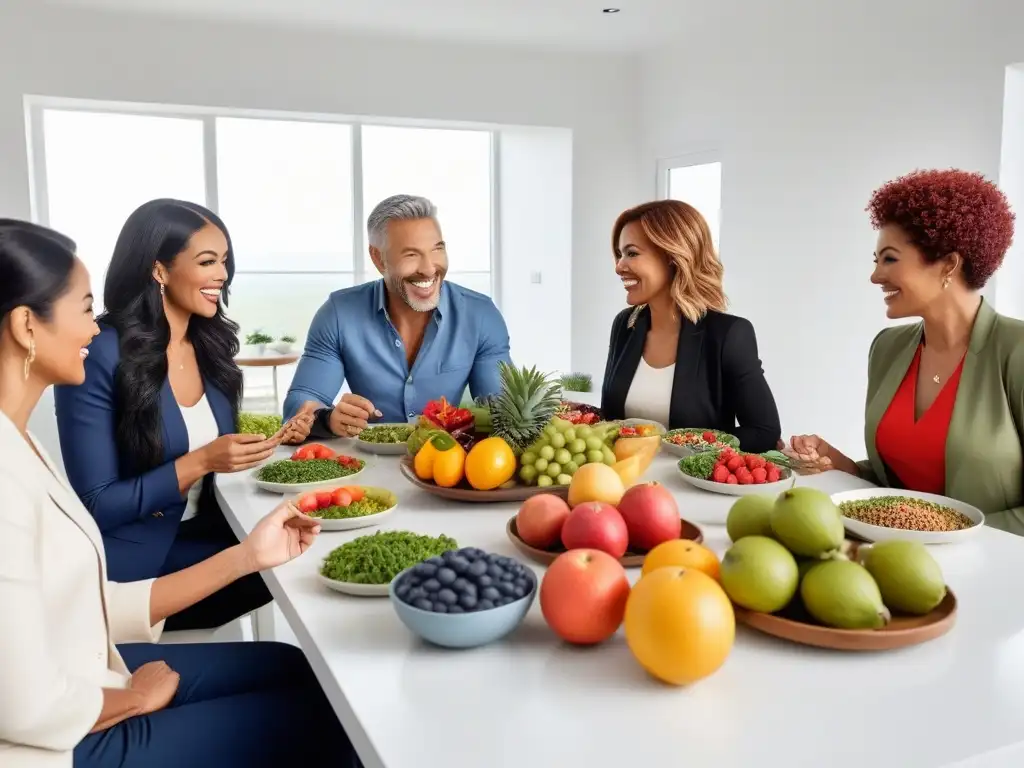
<point>308,503</point>
<point>323,499</point>
<point>355,492</point>
<point>341,497</point>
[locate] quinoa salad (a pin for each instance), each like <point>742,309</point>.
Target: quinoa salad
<point>905,513</point>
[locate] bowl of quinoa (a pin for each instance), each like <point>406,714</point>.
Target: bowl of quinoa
<point>877,514</point>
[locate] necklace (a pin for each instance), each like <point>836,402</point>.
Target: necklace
<point>936,378</point>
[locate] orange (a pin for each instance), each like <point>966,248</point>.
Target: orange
<point>489,464</point>
<point>680,625</point>
<point>423,464</point>
<point>685,554</point>
<point>449,465</point>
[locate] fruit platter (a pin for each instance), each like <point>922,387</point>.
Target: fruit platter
<point>688,441</point>
<point>735,473</point>
<point>623,523</point>
<point>513,445</point>
<point>791,573</point>
<point>310,467</point>
<point>639,428</point>
<point>385,439</point>
<point>881,514</point>
<point>365,566</point>
<point>463,598</point>
<point>348,507</point>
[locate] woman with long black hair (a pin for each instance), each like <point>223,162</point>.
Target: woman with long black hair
<point>156,417</point>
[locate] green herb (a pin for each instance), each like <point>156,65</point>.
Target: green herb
<point>361,508</point>
<point>307,471</point>
<point>258,337</point>
<point>576,382</point>
<point>378,558</point>
<point>699,465</point>
<point>288,339</point>
<point>390,435</point>
<point>259,424</point>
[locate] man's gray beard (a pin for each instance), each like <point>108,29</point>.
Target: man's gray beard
<point>398,285</point>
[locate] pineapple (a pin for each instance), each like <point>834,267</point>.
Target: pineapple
<point>526,404</point>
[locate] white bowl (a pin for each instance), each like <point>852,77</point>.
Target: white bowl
<point>882,533</point>
<point>352,588</point>
<point>727,489</point>
<point>384,449</point>
<point>287,488</point>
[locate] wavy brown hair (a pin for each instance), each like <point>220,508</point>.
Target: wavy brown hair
<point>683,237</point>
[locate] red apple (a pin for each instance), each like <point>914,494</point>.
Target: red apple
<point>583,596</point>
<point>651,515</point>
<point>540,519</point>
<point>596,525</point>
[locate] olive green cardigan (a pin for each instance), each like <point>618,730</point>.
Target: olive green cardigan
<point>984,457</point>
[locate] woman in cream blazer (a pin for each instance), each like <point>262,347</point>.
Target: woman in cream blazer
<point>70,693</point>
<point>945,402</point>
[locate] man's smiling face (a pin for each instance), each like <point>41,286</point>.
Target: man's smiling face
<point>413,262</point>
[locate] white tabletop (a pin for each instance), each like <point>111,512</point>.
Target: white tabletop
<point>529,699</point>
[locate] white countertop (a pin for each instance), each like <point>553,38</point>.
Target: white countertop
<point>530,699</point>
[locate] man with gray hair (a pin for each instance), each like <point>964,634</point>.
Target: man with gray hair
<point>400,341</point>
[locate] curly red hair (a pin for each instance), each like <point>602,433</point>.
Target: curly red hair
<point>949,211</point>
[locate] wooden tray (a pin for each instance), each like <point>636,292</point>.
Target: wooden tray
<point>687,530</point>
<point>793,623</point>
<point>517,493</point>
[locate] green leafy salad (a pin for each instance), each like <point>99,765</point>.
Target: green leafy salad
<point>386,435</point>
<point>259,424</point>
<point>287,471</point>
<point>379,557</point>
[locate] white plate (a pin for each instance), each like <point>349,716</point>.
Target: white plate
<point>287,488</point>
<point>383,449</point>
<point>351,588</point>
<point>881,533</point>
<point>788,478</point>
<point>682,450</point>
<point>352,523</point>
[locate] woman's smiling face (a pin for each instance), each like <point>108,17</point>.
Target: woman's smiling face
<point>910,284</point>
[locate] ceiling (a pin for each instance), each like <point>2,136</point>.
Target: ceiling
<point>567,24</point>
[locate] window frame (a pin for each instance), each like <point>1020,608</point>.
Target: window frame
<point>688,160</point>
<point>35,105</point>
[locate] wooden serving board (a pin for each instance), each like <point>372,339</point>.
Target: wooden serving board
<point>462,493</point>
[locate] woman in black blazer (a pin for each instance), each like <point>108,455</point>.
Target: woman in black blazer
<point>675,357</point>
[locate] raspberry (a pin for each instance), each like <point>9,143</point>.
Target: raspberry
<point>745,479</point>
<point>731,480</point>
<point>773,475</point>
<point>720,474</point>
<point>735,463</point>
<point>754,461</point>
<point>759,474</point>
<point>709,437</point>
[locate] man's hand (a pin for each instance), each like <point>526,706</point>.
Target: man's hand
<point>296,429</point>
<point>351,414</point>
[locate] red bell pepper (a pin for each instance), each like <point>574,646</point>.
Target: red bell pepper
<point>448,417</point>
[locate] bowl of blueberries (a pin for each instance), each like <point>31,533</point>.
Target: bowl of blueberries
<point>464,598</point>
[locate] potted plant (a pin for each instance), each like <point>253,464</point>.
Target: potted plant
<point>257,342</point>
<point>285,344</point>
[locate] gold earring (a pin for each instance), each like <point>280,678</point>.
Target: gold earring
<point>31,356</point>
<point>945,282</point>
<point>162,290</point>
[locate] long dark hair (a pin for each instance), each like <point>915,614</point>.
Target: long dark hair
<point>35,267</point>
<point>158,231</point>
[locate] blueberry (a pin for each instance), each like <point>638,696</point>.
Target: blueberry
<point>477,568</point>
<point>455,609</point>
<point>440,608</point>
<point>450,555</point>
<point>417,593</point>
<point>459,564</point>
<point>506,587</point>
<point>518,592</point>
<point>446,575</point>
<point>446,596</point>
<point>495,571</point>
<point>484,605</point>
<point>459,584</point>
<point>490,593</point>
<point>431,585</point>
<point>412,580</point>
<point>484,581</point>
<point>468,602</point>
<point>502,601</point>
<point>425,570</point>
<point>522,583</point>
<point>470,590</point>
<point>424,604</point>
<point>507,577</point>
<point>493,558</point>
<point>402,590</point>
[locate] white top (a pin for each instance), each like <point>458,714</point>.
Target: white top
<point>773,703</point>
<point>202,430</point>
<point>650,393</point>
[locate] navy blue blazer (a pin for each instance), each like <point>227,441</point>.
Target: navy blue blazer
<point>138,515</point>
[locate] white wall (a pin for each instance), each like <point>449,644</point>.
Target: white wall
<point>1010,286</point>
<point>118,57</point>
<point>813,109</point>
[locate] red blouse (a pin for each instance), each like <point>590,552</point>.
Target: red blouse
<point>915,450</point>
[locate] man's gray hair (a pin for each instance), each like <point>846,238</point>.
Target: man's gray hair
<point>396,208</point>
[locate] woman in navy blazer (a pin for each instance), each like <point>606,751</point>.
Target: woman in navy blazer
<point>155,419</point>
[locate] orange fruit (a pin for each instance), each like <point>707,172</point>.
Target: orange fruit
<point>423,464</point>
<point>683,553</point>
<point>489,464</point>
<point>679,624</point>
<point>450,466</point>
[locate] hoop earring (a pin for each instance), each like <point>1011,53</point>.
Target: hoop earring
<point>31,356</point>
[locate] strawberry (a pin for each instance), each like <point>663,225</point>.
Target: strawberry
<point>735,463</point>
<point>720,474</point>
<point>770,466</point>
<point>708,437</point>
<point>731,480</point>
<point>773,475</point>
<point>759,474</point>
<point>754,461</point>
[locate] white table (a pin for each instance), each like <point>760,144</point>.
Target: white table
<point>531,700</point>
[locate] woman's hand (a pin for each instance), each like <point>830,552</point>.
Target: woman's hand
<point>157,683</point>
<point>235,453</point>
<point>296,430</point>
<point>282,535</point>
<point>810,452</point>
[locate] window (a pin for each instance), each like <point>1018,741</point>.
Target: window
<point>100,166</point>
<point>699,184</point>
<point>453,169</point>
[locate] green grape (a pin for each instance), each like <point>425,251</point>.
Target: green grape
<point>579,459</point>
<point>544,481</point>
<point>528,458</point>
<point>562,456</point>
<point>608,457</point>
<point>563,479</point>
<point>541,464</point>
<point>584,431</point>
<point>578,446</point>
<point>553,470</point>
<point>528,474</point>
<point>595,457</point>
<point>547,452</point>
<point>541,441</point>
<point>594,444</point>
<point>570,467</point>
<point>558,441</point>
<point>550,430</point>
<point>563,424</point>
<point>569,434</point>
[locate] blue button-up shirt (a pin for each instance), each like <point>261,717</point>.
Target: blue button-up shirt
<point>352,338</point>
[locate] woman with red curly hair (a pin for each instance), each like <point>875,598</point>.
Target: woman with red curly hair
<point>945,402</point>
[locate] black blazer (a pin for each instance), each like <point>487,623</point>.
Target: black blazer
<point>718,378</point>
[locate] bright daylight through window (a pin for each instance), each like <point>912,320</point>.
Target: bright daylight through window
<point>699,185</point>
<point>285,188</point>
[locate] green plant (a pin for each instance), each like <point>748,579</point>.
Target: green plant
<point>288,339</point>
<point>576,382</point>
<point>258,337</point>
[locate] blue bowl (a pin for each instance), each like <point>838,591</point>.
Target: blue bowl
<point>462,630</point>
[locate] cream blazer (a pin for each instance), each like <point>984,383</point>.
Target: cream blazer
<point>61,615</point>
